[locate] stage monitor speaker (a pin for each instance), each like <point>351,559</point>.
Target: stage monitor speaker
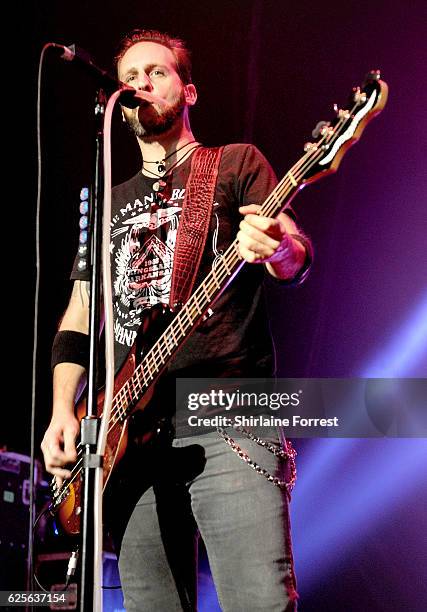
<point>14,512</point>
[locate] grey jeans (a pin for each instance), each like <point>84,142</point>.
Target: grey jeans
<point>201,486</point>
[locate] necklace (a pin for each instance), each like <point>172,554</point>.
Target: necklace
<point>161,163</point>
<point>160,184</point>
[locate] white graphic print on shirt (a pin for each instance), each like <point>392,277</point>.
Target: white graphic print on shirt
<point>142,249</point>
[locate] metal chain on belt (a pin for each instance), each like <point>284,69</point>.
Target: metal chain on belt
<point>289,454</point>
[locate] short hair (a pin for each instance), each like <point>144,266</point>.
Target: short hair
<point>176,45</point>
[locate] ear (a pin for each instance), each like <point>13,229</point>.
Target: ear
<point>123,114</point>
<point>190,93</point>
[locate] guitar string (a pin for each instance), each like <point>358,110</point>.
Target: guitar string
<point>283,188</point>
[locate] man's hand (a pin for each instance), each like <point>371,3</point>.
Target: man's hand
<point>59,446</point>
<point>267,240</point>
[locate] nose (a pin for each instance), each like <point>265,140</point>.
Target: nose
<point>144,83</point>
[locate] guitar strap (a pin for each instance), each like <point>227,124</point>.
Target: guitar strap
<point>195,221</point>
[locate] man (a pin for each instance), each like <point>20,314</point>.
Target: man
<point>174,488</point>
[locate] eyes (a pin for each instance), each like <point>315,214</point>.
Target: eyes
<point>152,74</point>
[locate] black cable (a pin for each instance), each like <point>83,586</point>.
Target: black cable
<point>41,514</point>
<point>30,557</point>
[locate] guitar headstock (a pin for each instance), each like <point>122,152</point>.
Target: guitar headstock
<point>333,138</point>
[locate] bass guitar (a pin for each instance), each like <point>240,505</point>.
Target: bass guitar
<point>134,384</point>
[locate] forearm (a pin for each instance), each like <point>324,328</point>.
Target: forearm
<point>70,349</point>
<point>67,378</point>
<point>69,355</point>
<point>76,317</point>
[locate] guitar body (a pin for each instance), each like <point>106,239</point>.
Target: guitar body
<point>69,508</point>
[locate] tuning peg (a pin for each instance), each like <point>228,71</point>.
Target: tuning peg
<point>373,75</point>
<point>342,113</point>
<point>321,129</point>
<point>310,146</point>
<point>359,96</point>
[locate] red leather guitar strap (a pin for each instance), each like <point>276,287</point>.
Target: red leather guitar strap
<point>195,221</point>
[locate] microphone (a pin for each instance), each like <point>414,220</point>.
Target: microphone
<point>130,97</point>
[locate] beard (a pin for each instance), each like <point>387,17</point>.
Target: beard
<point>146,121</point>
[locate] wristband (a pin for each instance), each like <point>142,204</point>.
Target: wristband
<point>70,347</point>
<point>303,272</point>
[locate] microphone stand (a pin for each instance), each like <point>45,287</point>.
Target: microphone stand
<point>90,423</point>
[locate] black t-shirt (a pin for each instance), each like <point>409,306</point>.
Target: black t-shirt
<point>235,340</point>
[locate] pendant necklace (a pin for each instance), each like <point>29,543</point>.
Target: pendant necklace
<point>160,184</point>
<point>161,164</point>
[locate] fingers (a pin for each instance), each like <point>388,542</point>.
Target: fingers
<point>259,233</point>
<point>55,460</point>
<point>273,227</point>
<point>249,209</point>
<point>252,250</point>
<point>259,238</point>
<point>56,437</point>
<point>60,474</point>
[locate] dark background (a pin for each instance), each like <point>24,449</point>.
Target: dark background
<point>266,73</point>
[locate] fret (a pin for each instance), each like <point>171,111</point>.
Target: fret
<point>131,392</point>
<point>234,246</point>
<point>167,342</point>
<point>159,360</point>
<point>125,396</point>
<point>122,396</point>
<point>117,408</point>
<point>187,312</point>
<point>141,370</point>
<point>137,382</point>
<point>166,345</point>
<point>172,332</point>
<point>276,199</point>
<point>225,264</point>
<point>292,179</point>
<point>216,281</point>
<point>208,295</point>
<point>181,327</point>
<point>196,303</point>
<point>147,359</point>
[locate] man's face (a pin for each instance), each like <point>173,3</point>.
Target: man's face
<point>151,67</point>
